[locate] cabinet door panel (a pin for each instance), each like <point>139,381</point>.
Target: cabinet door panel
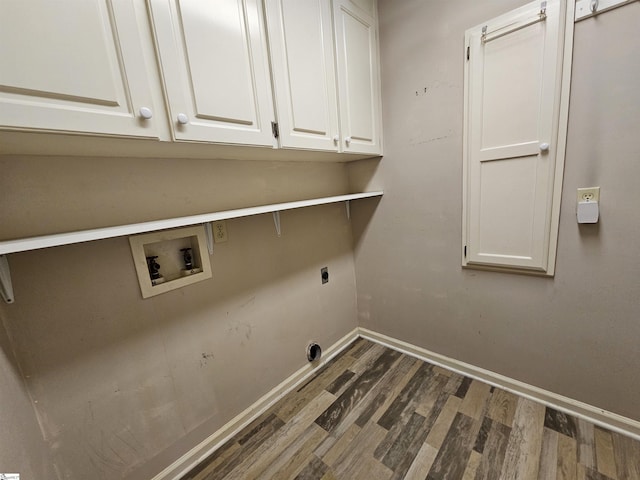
<point>510,109</point>
<point>210,46</point>
<point>213,57</point>
<point>300,37</point>
<point>509,204</point>
<point>75,66</point>
<point>358,78</point>
<point>512,91</point>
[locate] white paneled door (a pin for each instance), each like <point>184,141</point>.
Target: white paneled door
<point>73,66</point>
<point>215,69</point>
<point>301,45</point>
<point>358,77</point>
<point>513,77</point>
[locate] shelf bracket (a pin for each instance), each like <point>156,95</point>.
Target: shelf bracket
<point>276,221</point>
<point>208,233</point>
<point>6,288</point>
<point>347,206</point>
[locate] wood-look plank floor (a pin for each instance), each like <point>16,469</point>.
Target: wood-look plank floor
<point>374,413</point>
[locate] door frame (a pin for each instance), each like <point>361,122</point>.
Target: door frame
<point>567,7</point>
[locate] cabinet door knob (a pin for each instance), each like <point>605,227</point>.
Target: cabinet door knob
<point>146,113</point>
<point>336,138</point>
<point>183,119</point>
<point>347,140</point>
<point>544,147</point>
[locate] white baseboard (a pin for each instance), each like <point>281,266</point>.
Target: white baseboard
<point>200,452</point>
<point>598,416</point>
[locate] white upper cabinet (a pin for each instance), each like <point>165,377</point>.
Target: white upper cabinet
<point>303,71</point>
<point>515,129</point>
<point>326,100</point>
<point>206,71</point>
<point>73,66</point>
<point>358,76</point>
<point>213,57</point>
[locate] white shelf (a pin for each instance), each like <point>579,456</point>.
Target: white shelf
<point>34,243</point>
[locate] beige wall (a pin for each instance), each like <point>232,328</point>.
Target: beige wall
<point>42,195</point>
<point>576,334</point>
<point>22,448</point>
<point>124,386</point>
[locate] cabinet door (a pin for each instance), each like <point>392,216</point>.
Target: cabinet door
<point>301,47</point>
<point>358,78</point>
<point>73,66</point>
<point>512,90</point>
<point>215,70</point>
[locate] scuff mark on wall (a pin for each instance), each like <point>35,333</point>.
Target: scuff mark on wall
<point>425,120</point>
<point>205,358</point>
<point>249,302</point>
<point>435,86</point>
<point>103,455</point>
<point>111,452</point>
<point>245,329</point>
<point>429,140</point>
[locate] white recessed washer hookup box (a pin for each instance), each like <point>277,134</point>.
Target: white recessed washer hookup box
<point>170,259</point>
